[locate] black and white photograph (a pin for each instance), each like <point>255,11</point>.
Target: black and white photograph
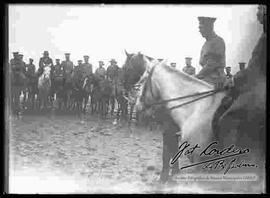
<point>135,98</point>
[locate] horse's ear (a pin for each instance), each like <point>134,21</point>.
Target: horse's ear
<point>128,55</point>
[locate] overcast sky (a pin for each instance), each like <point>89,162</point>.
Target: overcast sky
<point>104,31</point>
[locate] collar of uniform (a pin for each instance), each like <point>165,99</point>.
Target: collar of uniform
<point>213,35</point>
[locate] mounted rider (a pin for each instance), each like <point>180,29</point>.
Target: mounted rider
<point>17,68</point>
<point>212,57</point>
<point>78,74</point>
<point>241,68</point>
<point>189,69</point>
<point>101,71</point>
<point>58,72</point>
<point>23,63</point>
<point>228,72</point>
<point>30,69</point>
<point>57,76</point>
<point>86,67</point>
<point>44,62</point>
<point>113,71</point>
<point>67,66</point>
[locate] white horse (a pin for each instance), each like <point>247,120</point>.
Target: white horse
<point>160,82</point>
<point>44,86</point>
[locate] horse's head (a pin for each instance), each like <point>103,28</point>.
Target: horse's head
<point>138,70</point>
<point>134,68</point>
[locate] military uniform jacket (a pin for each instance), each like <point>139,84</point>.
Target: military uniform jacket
<point>67,68</point>
<point>112,72</point>
<point>78,73</point>
<point>101,71</point>
<point>31,69</point>
<point>189,70</point>
<point>212,60</point>
<point>58,71</point>
<point>45,61</point>
<point>18,66</point>
<point>86,69</point>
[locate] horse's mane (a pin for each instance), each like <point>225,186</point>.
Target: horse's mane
<point>138,62</point>
<point>184,75</point>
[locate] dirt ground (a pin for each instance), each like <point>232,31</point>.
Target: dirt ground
<point>59,154</point>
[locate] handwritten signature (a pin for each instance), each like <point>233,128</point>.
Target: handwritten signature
<point>215,163</point>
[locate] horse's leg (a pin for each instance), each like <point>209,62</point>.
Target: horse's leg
<point>112,105</point>
<point>131,112</point>
<point>17,93</point>
<point>86,99</point>
<point>170,148</point>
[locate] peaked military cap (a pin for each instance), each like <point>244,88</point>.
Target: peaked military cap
<point>101,62</point>
<point>228,67</point>
<point>15,53</point>
<point>20,54</point>
<point>86,56</point>
<point>242,63</point>
<point>30,59</point>
<point>206,20</point>
<point>57,59</point>
<point>67,54</point>
<point>45,52</point>
<point>188,58</point>
<point>79,61</point>
<point>113,61</point>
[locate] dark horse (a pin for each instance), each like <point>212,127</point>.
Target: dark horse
<point>101,94</point>
<point>80,93</point>
<point>18,83</point>
<point>243,124</point>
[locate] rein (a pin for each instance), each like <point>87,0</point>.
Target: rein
<point>204,94</point>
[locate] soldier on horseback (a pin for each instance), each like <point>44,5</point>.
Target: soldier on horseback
<point>31,68</point>
<point>113,70</point>
<point>228,72</point>
<point>43,62</point>
<point>23,63</point>
<point>189,69</point>
<point>57,77</point>
<point>78,73</point>
<point>212,57</point>
<point>18,80</point>
<point>67,69</point>
<point>113,76</point>
<point>86,67</point>
<point>100,71</point>
<point>241,68</point>
<point>32,81</point>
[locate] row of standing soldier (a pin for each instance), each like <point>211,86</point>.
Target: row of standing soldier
<point>63,69</point>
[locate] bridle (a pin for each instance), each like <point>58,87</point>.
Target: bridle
<point>149,84</point>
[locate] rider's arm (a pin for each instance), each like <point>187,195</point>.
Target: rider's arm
<point>211,65</point>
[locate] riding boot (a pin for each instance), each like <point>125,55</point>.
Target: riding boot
<point>225,104</point>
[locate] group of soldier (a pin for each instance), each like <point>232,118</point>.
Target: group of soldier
<point>64,69</point>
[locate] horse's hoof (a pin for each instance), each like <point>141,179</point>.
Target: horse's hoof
<point>164,177</point>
